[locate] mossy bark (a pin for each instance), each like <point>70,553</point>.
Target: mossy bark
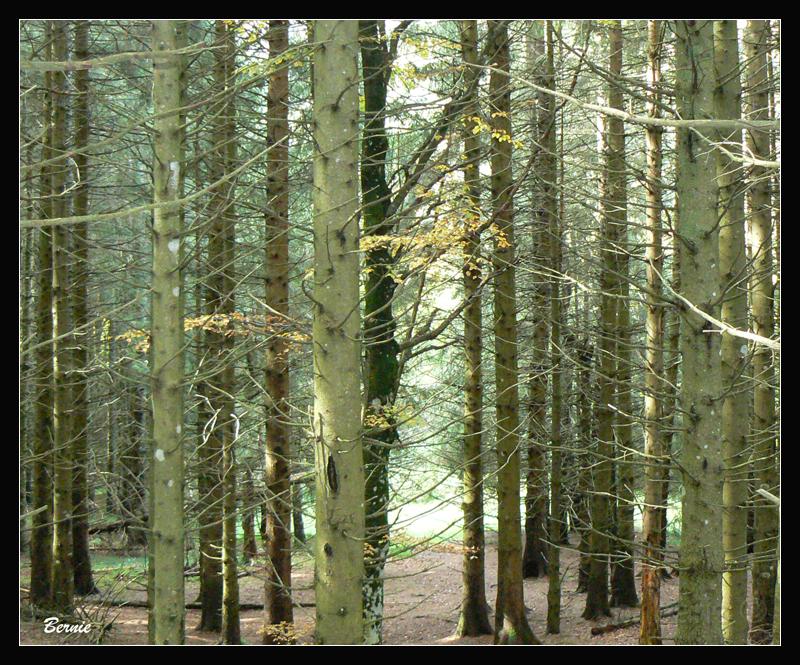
<point>701,558</point>
<point>166,513</point>
<point>381,362</point>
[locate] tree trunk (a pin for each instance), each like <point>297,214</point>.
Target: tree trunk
<point>84,584</point>
<point>511,624</point>
<point>534,558</point>
<point>762,290</point>
<point>597,603</point>
<point>166,514</point>
<point>701,558</point>
<point>63,576</point>
<point>278,599</point>
<point>42,530</point>
<point>337,364</point>
<point>623,584</point>
<point>549,178</point>
<point>732,266</point>
<point>382,367</point>
<point>474,618</point>
<point>249,545</point>
<point>650,629</point>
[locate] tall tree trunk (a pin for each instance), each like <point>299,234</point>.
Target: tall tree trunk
<point>732,267</point>
<point>337,363</point>
<point>474,618</point>
<point>762,289</point>
<point>63,576</point>
<point>650,631</point>
<point>166,513</point>
<point>623,584</point>
<point>701,558</point>
<point>511,624</point>
<point>279,541</point>
<point>534,559</point>
<point>220,293</point>
<point>84,584</point>
<point>382,367</point>
<point>42,504</point>
<point>549,178</point>
<point>597,603</point>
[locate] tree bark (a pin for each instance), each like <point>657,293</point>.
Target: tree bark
<point>701,558</point>
<point>650,629</point>
<point>511,624</point>
<point>762,304</point>
<point>623,584</point>
<point>534,558</point>
<point>279,541</point>
<point>42,530</point>
<point>63,576</point>
<point>166,514</point>
<point>382,366</point>
<point>474,618</point>
<point>337,364</point>
<point>732,267</point>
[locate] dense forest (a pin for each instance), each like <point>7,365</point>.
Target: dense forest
<point>399,331</point>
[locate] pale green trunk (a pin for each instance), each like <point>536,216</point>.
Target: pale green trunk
<point>166,516</point>
<point>337,354</point>
<point>701,558</point>
<point>732,267</point>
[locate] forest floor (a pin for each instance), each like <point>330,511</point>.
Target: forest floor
<point>423,596</point>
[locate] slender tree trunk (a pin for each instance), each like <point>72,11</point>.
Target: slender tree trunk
<point>42,533</point>
<point>623,584</point>
<point>131,471</point>
<point>511,624</point>
<point>650,630</point>
<point>586,439</point>
<point>534,558</point>
<point>701,558</point>
<point>672,328</point>
<point>549,178</point>
<point>382,367</point>
<point>732,267</point>
<point>166,514</point>
<point>337,364</point>
<point>63,576</point>
<point>84,584</point>
<point>762,289</point>
<point>298,528</point>
<point>597,602</point>
<point>279,541</point>
<point>474,618</point>
<point>249,545</point>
